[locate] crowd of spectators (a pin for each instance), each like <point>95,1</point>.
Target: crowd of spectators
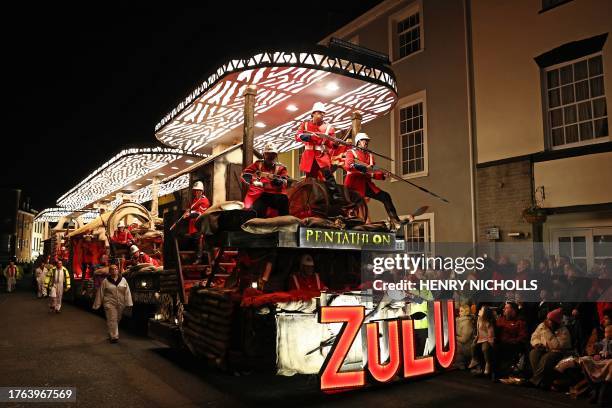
<point>560,342</point>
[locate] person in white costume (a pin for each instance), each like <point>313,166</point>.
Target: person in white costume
<point>57,281</point>
<point>114,294</point>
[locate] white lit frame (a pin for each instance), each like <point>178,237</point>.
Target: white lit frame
<point>215,107</point>
<point>124,168</point>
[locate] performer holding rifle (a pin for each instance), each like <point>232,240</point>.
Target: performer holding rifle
<point>267,180</point>
<point>315,158</point>
<point>360,171</point>
<point>199,205</point>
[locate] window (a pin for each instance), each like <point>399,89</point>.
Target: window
<point>405,32</point>
<point>419,235</point>
<point>585,247</point>
<point>412,139</point>
<point>297,173</point>
<point>576,103</point>
<point>409,35</point>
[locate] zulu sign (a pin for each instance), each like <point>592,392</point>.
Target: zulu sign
<point>343,239</point>
<point>401,347</point>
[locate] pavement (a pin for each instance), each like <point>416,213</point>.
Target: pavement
<point>38,348</point>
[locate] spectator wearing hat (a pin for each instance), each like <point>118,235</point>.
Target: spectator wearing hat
<point>550,341</point>
<point>512,338</point>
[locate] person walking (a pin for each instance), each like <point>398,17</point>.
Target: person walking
<point>39,273</point>
<point>57,281</point>
<point>114,294</point>
<point>10,272</point>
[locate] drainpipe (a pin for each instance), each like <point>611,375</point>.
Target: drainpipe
<point>469,59</point>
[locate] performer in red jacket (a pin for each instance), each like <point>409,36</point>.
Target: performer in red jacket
<point>121,235</point>
<point>267,180</point>
<point>199,204</point>
<point>316,157</point>
<point>359,176</point>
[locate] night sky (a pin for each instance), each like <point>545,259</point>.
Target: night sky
<point>85,83</point>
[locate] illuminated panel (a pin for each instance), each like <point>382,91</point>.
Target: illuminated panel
<point>383,372</point>
<point>54,215</point>
<point>445,357</point>
<point>287,85</point>
<point>118,172</point>
<point>377,99</point>
<point>144,194</point>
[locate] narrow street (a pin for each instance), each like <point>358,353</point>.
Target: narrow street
<point>70,349</point>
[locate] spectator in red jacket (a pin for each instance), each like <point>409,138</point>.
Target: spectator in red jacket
<point>512,339</point>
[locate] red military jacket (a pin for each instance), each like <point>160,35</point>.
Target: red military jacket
<point>315,149</point>
<point>355,179</point>
<point>310,283</point>
<point>200,205</point>
<point>122,237</point>
<point>255,191</point>
<point>144,258</point>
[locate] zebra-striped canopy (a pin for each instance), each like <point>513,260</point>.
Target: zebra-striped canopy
<point>288,83</point>
<point>130,171</point>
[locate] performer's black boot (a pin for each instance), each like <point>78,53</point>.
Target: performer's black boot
<point>330,184</point>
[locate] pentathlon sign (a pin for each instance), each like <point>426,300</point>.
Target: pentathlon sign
<point>344,239</point>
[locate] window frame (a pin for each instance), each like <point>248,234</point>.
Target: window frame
<point>393,38</point>
<point>588,233</point>
<point>395,142</point>
<point>430,236</point>
<point>548,142</point>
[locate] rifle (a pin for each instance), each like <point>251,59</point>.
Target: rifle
<point>345,143</point>
<point>183,217</point>
<point>400,178</point>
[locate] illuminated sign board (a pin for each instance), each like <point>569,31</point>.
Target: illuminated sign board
<point>344,239</point>
<point>402,363</point>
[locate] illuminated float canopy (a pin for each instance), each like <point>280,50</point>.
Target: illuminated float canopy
<point>129,171</point>
<point>54,214</point>
<point>288,83</point>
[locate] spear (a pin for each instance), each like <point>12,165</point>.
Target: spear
<point>400,178</point>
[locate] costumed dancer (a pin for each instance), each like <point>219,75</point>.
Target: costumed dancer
<point>267,180</point>
<point>316,158</point>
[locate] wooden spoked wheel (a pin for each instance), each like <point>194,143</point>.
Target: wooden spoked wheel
<point>308,198</point>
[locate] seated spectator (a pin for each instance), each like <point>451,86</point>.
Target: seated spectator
<point>550,341</point>
<point>523,270</point>
<point>482,348</point>
<point>465,335</point>
<point>511,339</point>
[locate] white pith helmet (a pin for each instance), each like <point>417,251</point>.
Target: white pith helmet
<point>318,107</point>
<point>134,249</point>
<point>361,136</point>
<point>270,148</point>
<point>198,185</point>
<point>121,224</point>
<point>307,260</point>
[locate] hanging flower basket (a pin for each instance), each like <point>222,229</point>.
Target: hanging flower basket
<point>534,215</point>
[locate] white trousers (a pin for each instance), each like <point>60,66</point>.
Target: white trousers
<point>113,317</point>
<point>39,286</point>
<point>55,302</point>
<point>10,284</point>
